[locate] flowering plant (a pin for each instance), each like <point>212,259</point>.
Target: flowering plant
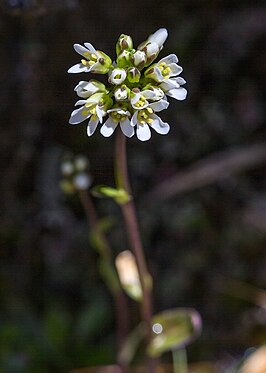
<point>138,87</point>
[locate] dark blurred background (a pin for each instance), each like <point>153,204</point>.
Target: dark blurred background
<point>200,191</point>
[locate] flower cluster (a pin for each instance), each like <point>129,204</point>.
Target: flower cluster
<point>75,174</point>
<point>138,87</point>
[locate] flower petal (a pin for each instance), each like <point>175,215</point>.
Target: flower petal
<point>92,126</point>
<point>171,58</point>
<point>159,105</point>
<point>108,127</point>
<point>78,68</point>
<point>159,126</point>
<point>134,119</point>
<point>80,49</point>
<point>168,84</point>
<point>148,94</point>
<point>127,128</point>
<point>77,116</point>
<point>175,69</point>
<point>159,37</point>
<point>100,113</point>
<point>80,102</point>
<point>91,48</point>
<point>177,93</point>
<point>143,132</point>
<point>180,80</point>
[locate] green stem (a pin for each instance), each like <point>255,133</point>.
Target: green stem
<point>121,307</point>
<point>131,222</point>
<point>180,360</point>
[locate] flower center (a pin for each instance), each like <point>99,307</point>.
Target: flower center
<point>91,59</point>
<point>144,116</point>
<point>165,70</point>
<point>118,117</point>
<point>141,102</point>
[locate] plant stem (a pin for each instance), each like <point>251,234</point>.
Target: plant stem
<point>180,361</point>
<point>131,222</point>
<point>121,307</point>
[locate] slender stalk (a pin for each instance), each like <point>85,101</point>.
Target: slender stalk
<point>180,361</point>
<point>131,222</point>
<point>121,307</point>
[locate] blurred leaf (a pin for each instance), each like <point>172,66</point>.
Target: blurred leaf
<point>173,329</point>
<point>97,313</point>
<point>119,195</point>
<point>109,274</point>
<point>131,344</point>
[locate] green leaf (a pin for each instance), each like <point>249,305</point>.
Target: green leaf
<point>120,195</point>
<point>173,329</point>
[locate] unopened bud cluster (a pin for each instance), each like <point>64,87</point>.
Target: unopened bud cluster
<point>138,87</point>
<point>75,174</point>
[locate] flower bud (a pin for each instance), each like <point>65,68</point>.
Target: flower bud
<point>86,89</point>
<point>124,42</point>
<point>82,181</point>
<point>117,76</point>
<point>123,58</point>
<point>133,75</point>
<point>139,59</point>
<point>121,93</point>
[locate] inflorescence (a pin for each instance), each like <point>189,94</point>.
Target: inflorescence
<point>137,87</point>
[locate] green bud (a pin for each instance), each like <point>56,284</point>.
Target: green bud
<point>124,43</point>
<point>121,93</point>
<point>133,75</point>
<point>123,59</point>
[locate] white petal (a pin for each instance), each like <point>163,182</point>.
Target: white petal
<point>90,47</point>
<point>100,113</point>
<point>77,117</point>
<point>143,132</point>
<point>80,49</point>
<point>175,69</point>
<point>148,94</point>
<point>159,126</point>
<point>80,102</point>
<point>178,93</point>
<point>92,126</point>
<point>78,68</point>
<point>126,128</point>
<point>159,105</point>
<point>180,80</point>
<point>171,58</point>
<point>108,127</point>
<point>159,36</point>
<point>168,84</point>
<point>134,119</point>
<point>135,98</point>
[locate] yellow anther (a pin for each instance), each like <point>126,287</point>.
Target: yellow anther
<point>91,63</point>
<point>142,121</point>
<point>94,117</point>
<point>167,70</point>
<point>93,56</point>
<point>149,110</point>
<point>84,62</point>
<point>93,111</point>
<point>86,54</point>
<point>149,120</point>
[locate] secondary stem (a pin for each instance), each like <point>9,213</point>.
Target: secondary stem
<point>131,222</point>
<point>118,295</point>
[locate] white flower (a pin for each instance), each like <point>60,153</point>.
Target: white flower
<point>121,93</point>
<point>94,61</point>
<point>139,58</point>
<point>164,69</point>
<point>82,181</point>
<point>145,118</point>
<point>139,100</point>
<point>117,76</point>
<point>153,45</point>
<point>172,88</point>
<point>117,116</point>
<point>86,89</point>
<point>94,108</point>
